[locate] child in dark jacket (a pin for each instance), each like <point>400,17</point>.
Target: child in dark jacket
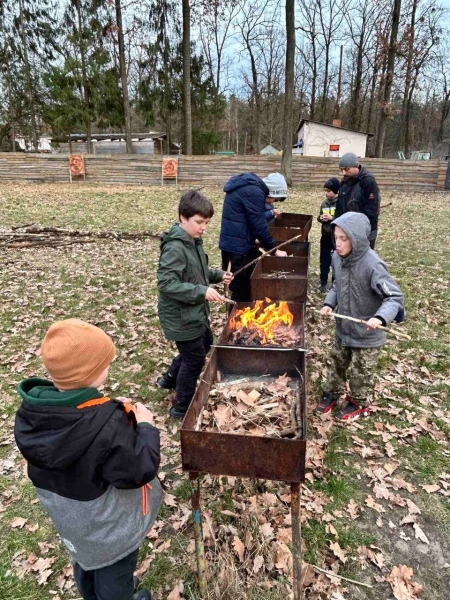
<point>93,461</point>
<point>362,288</point>
<point>244,220</point>
<point>326,215</point>
<point>184,293</point>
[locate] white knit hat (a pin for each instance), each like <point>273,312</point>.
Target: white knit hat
<point>277,185</point>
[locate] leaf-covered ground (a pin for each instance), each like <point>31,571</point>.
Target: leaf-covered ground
<point>375,505</point>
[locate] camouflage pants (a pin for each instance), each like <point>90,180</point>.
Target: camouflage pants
<point>355,365</point>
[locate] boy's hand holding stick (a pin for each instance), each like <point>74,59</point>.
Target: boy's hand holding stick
<point>337,316</point>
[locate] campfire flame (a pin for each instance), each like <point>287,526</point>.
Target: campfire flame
<point>263,319</point>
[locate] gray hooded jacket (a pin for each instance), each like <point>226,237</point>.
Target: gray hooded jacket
<point>362,286</point>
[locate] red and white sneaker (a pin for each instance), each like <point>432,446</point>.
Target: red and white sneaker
<point>352,412</point>
<point>326,404</point>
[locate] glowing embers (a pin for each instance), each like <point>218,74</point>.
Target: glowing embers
<point>265,323</point>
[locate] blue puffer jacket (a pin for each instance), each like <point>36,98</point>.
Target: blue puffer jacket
<point>243,217</point>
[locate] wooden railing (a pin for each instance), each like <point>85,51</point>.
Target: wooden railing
<point>215,170</point>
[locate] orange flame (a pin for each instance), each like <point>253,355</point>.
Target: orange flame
<point>263,320</point>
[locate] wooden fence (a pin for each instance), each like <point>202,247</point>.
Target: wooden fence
<point>214,170</point>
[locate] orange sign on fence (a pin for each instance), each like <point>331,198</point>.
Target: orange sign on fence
<point>76,165</point>
<point>169,169</point>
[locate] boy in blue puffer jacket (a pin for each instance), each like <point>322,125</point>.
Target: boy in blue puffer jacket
<point>244,221</point>
<point>362,288</point>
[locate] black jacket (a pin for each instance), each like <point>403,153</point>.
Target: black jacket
<point>360,194</point>
<point>93,468</point>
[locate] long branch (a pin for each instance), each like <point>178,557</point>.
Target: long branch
<point>268,252</point>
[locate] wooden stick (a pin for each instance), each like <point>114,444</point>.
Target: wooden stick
<point>386,205</point>
<point>347,318</point>
<point>268,252</point>
<point>332,574</point>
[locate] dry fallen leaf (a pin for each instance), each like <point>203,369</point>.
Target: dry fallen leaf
<point>18,522</point>
<point>338,552</point>
<point>239,547</point>
<point>420,534</point>
<point>402,584</point>
<point>258,563</point>
<point>430,489</point>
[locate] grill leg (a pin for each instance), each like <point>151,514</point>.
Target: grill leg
<point>198,534</point>
<point>296,541</point>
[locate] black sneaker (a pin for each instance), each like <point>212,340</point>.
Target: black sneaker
<point>327,403</point>
<point>135,583</point>
<point>323,287</point>
<point>177,413</point>
<point>167,382</point>
<point>142,595</point>
<point>352,412</point>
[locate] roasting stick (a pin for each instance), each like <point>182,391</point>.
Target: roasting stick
<point>393,331</point>
<point>266,253</point>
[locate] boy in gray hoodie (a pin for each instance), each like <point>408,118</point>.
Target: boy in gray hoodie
<point>364,289</point>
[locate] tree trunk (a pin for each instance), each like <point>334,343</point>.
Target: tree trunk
<point>385,105</point>
<point>288,125</point>
<point>123,77</point>
<point>406,104</point>
<point>373,88</point>
<point>337,106</point>
<point>312,108</point>
<point>86,91</point>
<point>356,92</point>
<point>445,111</point>
<point>187,78</point>
<point>28,79</point>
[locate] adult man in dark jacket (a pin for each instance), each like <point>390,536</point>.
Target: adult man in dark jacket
<point>358,192</point>
<point>244,221</point>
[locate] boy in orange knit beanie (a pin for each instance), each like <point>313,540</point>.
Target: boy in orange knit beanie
<point>92,460</point>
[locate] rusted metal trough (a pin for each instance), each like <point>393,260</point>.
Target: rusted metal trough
<point>288,225</point>
<point>272,458</point>
<point>291,284</point>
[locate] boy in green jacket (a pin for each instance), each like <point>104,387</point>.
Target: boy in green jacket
<point>184,292</point>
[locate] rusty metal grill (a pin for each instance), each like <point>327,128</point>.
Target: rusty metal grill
<point>288,225</point>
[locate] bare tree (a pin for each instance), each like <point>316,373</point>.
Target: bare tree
<point>309,26</point>
<point>331,14</point>
<point>187,78</point>
<point>288,129</point>
<point>386,98</point>
<point>361,24</point>
<point>255,17</point>
<point>123,77</point>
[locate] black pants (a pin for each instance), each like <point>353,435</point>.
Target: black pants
<point>240,286</point>
<point>187,366</point>
<point>110,583</point>
<point>326,252</point>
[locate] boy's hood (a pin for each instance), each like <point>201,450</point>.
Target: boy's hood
<point>244,179</point>
<point>51,432</point>
<point>178,233</point>
<point>357,228</point>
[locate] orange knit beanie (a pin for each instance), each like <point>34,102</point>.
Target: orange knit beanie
<point>76,353</point>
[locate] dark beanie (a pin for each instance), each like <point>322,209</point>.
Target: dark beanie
<point>332,184</point>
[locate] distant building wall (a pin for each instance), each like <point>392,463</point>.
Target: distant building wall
<point>318,138</point>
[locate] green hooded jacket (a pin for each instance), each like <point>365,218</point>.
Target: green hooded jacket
<point>183,278</point>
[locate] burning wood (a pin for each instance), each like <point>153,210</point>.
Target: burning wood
<point>265,324</point>
<point>269,411</point>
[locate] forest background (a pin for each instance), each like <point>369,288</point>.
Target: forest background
<point>211,73</point>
